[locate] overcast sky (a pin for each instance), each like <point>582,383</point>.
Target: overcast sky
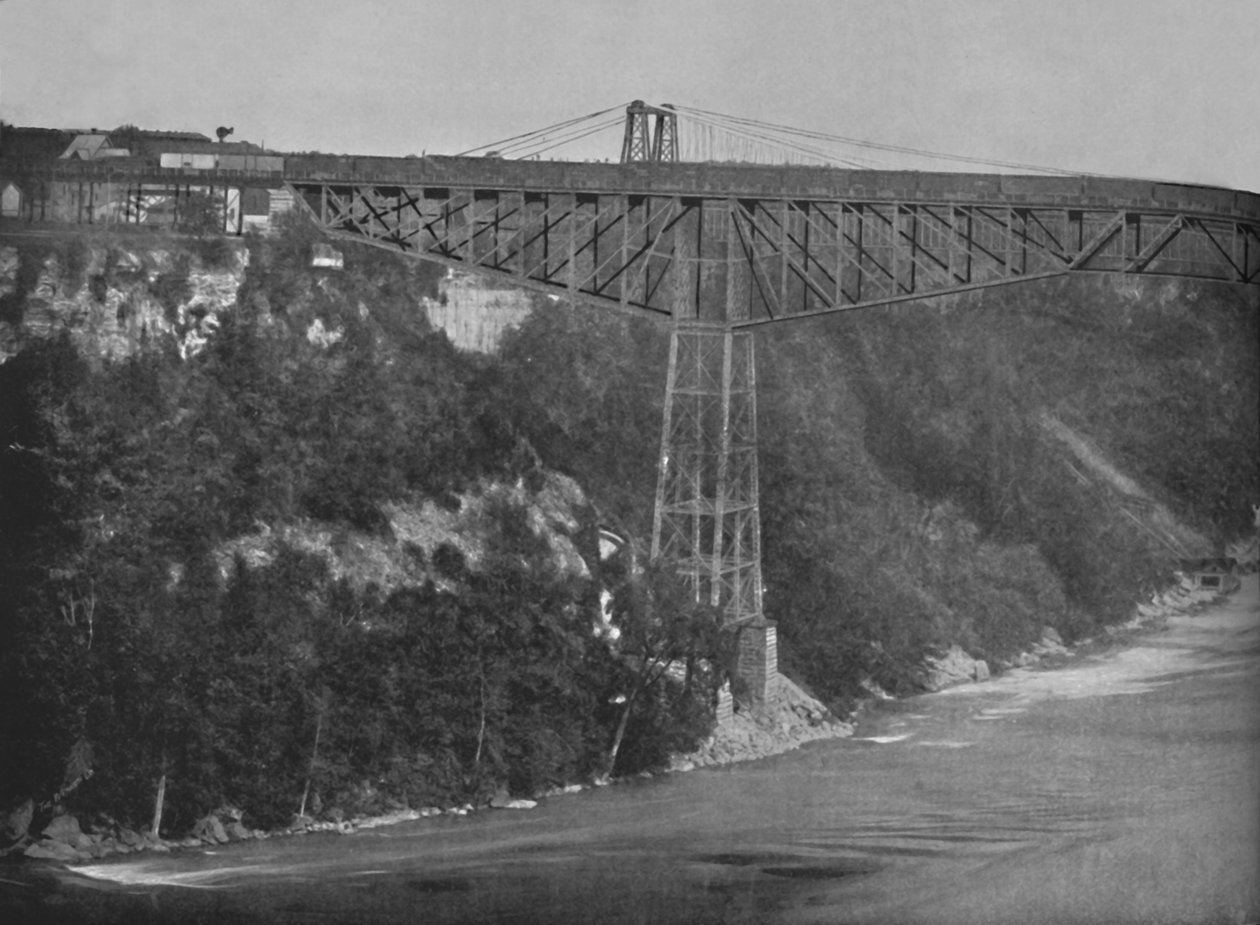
<point>1144,88</point>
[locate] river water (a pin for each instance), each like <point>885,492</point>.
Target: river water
<point>1122,787</point>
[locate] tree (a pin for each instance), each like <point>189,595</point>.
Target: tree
<point>663,627</point>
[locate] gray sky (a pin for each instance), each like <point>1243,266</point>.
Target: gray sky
<point>1144,88</point>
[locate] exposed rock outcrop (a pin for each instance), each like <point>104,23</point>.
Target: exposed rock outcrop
<point>954,667</point>
<point>389,562</point>
<point>120,300</point>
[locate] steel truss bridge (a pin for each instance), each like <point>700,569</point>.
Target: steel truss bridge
<point>720,249</point>
<point>717,249</point>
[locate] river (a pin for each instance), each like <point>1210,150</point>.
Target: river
<point>1122,787</point>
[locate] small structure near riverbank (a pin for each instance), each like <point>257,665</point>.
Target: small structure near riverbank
<point>1217,574</point>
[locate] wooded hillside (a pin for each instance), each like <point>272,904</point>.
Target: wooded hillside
<point>917,492</point>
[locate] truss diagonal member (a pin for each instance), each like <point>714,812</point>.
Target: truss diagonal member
<point>1252,250</point>
<point>587,237</point>
<point>630,257</point>
<point>1037,216</point>
<point>1098,242</point>
<point>549,225</point>
<point>768,296</point>
<point>338,210</point>
<point>376,204</point>
<point>1020,241</point>
<point>1156,245</point>
<point>442,230</point>
<point>352,216</point>
<point>498,252</point>
<point>1202,227</point>
<point>780,249</point>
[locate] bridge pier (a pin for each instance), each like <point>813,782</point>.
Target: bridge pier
<point>707,515</point>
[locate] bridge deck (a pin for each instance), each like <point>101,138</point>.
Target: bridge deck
<point>739,244</point>
<point>700,179</point>
<point>816,183</point>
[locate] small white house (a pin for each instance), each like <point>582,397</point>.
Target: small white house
<point>327,256</point>
<point>188,160</point>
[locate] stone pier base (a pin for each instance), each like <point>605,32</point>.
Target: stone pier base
<point>757,660</point>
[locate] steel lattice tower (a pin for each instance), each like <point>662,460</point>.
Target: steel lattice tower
<point>640,143</point>
<point>707,517</point>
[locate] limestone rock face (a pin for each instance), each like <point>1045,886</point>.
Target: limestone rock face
<point>118,302</point>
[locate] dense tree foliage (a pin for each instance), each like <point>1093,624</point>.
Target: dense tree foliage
<point>134,646</point>
<point>911,495</point>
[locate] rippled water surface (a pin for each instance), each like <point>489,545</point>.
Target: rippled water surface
<point>1121,788</point>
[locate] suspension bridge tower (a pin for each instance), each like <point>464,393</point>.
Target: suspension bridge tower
<point>644,141</point>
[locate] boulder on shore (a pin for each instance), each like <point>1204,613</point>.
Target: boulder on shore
<point>503,801</point>
<point>954,667</point>
<point>51,850</point>
<point>210,830</point>
<point>64,829</point>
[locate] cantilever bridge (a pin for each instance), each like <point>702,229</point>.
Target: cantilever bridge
<point>719,248</point>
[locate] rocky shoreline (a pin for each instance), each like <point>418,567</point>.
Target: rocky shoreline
<point>788,719</point>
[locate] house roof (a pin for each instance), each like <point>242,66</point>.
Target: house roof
<point>86,147</point>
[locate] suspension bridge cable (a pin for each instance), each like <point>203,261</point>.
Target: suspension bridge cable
<point>780,144</point>
<point>824,136</point>
<point>536,132</point>
<point>567,122</point>
<point>773,142</point>
<point>898,149</point>
<point>568,134</point>
<point>603,126</point>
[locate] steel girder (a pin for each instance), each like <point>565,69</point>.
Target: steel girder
<point>671,254</point>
